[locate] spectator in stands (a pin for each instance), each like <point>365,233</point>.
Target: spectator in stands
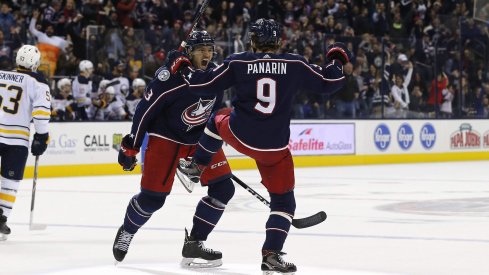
<point>435,99</point>
<point>347,96</point>
<point>446,106</point>
<point>50,45</point>
<point>124,9</point>
<point>416,101</point>
<point>400,93</point>
<point>7,19</point>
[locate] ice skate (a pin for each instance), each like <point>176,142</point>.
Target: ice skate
<point>4,229</point>
<point>121,244</point>
<point>273,263</point>
<point>188,173</point>
<point>196,255</point>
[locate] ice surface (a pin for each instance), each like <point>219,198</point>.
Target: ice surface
<point>382,219</point>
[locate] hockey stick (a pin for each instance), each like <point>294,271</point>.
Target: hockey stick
<point>297,223</point>
<point>197,17</point>
<point>33,226</point>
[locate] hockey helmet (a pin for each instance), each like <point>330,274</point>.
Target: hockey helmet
<point>110,90</point>
<point>63,82</point>
<point>86,66</point>
<point>103,84</point>
<point>199,38</point>
<point>28,57</point>
<point>265,33</point>
<point>138,82</point>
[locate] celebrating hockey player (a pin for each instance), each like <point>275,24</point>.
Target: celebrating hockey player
<point>258,126</point>
<point>26,97</point>
<point>175,119</point>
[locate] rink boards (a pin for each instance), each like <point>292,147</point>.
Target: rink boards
<point>89,148</point>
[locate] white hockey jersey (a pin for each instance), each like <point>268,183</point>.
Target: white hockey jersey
<point>24,96</point>
<point>82,91</point>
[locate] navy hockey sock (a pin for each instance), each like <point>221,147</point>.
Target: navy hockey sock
<point>209,144</point>
<point>278,224</point>
<point>207,214</point>
<point>140,209</point>
<point>210,208</point>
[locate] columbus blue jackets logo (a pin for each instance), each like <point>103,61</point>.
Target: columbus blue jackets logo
<point>198,113</point>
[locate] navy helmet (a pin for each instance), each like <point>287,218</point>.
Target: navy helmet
<point>265,33</point>
<point>199,38</point>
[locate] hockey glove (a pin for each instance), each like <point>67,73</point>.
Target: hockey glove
<point>39,144</point>
<point>178,62</point>
<point>127,154</point>
<point>338,51</point>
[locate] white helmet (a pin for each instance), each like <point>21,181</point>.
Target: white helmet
<point>62,82</point>
<point>28,57</point>
<point>86,66</point>
<point>110,90</point>
<point>103,84</point>
<point>138,82</point>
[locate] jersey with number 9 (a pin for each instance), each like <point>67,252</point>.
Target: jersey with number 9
<point>266,85</point>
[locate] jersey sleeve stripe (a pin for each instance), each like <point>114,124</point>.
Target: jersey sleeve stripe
<point>41,113</point>
<point>6,197</point>
<point>40,106</point>
<point>20,126</point>
<point>21,138</point>
<point>14,132</point>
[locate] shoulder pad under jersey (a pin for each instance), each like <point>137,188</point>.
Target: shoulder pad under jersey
<point>36,75</point>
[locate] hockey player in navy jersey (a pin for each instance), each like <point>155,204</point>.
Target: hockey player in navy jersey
<point>175,119</point>
<point>258,125</point>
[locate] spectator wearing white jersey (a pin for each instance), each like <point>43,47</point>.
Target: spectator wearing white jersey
<point>49,45</point>
<point>400,93</point>
<point>26,97</point>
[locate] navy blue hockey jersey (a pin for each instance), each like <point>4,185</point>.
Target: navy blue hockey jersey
<point>266,85</point>
<point>169,110</point>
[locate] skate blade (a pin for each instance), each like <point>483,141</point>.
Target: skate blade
<point>3,237</point>
<point>273,272</point>
<point>187,183</point>
<point>190,263</point>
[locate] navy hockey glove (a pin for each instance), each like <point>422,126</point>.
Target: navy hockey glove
<point>39,144</point>
<point>178,61</point>
<point>338,51</point>
<point>127,154</point>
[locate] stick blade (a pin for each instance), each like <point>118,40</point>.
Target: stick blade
<point>310,221</point>
<point>37,226</point>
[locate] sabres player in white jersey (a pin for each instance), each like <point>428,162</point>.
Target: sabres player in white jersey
<point>25,96</point>
<point>132,100</point>
<point>82,89</point>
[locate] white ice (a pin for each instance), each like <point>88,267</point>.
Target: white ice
<point>382,219</point>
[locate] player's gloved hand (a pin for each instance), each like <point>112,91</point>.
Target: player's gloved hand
<point>178,61</point>
<point>39,144</point>
<point>338,51</point>
<point>127,154</point>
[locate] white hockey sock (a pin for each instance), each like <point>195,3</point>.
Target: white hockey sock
<point>8,194</point>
